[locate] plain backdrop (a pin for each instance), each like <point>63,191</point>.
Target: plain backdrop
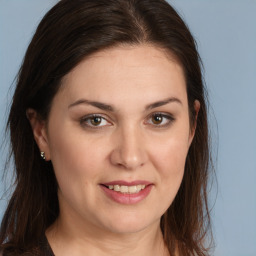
<point>226,35</point>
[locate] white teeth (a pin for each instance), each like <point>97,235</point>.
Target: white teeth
<point>124,189</point>
<point>132,189</point>
<point>127,189</point>
<point>116,187</point>
<point>139,187</point>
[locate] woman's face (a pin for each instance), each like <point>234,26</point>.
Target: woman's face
<point>119,122</point>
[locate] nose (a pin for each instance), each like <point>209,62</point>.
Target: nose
<point>129,151</point>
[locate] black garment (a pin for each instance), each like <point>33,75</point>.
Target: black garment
<point>42,249</point>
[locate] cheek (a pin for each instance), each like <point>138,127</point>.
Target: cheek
<point>77,163</point>
<point>170,157</point>
<point>169,160</point>
<point>75,158</point>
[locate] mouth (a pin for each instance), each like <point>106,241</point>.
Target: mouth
<point>126,189</point>
<point>127,192</point>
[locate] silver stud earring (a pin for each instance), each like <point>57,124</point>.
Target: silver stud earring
<point>43,155</point>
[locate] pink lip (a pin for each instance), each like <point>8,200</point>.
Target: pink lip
<point>127,198</point>
<point>126,183</point>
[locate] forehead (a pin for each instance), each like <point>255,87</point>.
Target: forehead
<point>117,72</point>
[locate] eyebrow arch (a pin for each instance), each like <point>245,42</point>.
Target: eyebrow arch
<point>96,104</point>
<point>163,102</point>
<point>107,107</point>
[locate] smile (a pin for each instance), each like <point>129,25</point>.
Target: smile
<point>127,192</point>
<point>127,189</point>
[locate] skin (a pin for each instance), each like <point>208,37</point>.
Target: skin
<point>127,145</point>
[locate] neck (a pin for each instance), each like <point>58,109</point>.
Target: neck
<point>67,238</point>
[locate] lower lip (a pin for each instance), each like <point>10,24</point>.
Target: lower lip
<point>127,198</point>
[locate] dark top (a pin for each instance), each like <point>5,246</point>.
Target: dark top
<point>43,249</point>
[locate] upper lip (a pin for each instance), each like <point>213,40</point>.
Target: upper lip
<point>127,183</point>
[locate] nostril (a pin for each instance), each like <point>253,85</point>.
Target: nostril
<point>128,157</point>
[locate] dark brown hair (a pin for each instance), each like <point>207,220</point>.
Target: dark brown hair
<point>70,31</point>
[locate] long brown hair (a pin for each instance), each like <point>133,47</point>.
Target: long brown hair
<point>70,31</point>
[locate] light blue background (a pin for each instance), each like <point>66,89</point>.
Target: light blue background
<point>226,36</point>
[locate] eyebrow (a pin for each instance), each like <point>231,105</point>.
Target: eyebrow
<point>96,104</point>
<point>107,107</point>
<point>163,102</point>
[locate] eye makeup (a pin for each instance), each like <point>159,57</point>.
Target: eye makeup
<point>99,121</point>
<point>160,120</point>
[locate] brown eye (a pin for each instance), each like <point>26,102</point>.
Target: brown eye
<point>96,120</point>
<point>160,120</point>
<point>157,119</point>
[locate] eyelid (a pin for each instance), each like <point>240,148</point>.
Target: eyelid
<point>168,116</point>
<point>84,119</point>
<point>170,119</point>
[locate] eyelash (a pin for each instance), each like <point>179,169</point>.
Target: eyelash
<point>169,119</point>
<point>86,119</point>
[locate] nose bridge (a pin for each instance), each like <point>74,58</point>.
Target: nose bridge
<point>129,151</point>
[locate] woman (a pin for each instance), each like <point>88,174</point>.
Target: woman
<point>109,135</point>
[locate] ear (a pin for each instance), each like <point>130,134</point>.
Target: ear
<point>39,130</point>
<point>193,128</point>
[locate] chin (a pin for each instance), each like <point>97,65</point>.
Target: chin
<point>131,223</point>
